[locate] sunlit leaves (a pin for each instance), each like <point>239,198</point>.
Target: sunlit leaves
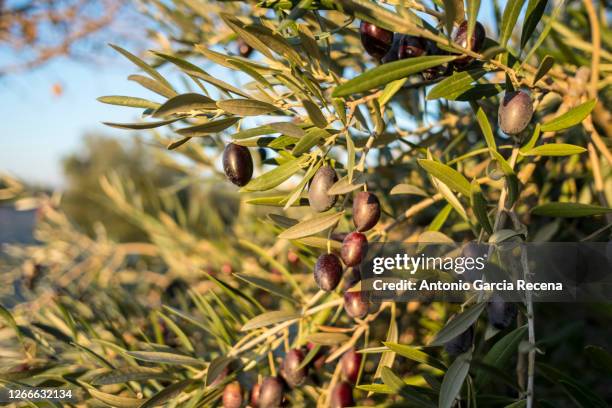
<point>455,85</point>
<point>268,318</point>
<point>446,174</point>
<point>311,226</point>
<point>569,210</point>
<point>453,380</point>
<point>246,107</point>
<point>386,73</point>
<point>276,176</point>
<point>570,118</point>
<point>554,149</point>
<point>509,19</point>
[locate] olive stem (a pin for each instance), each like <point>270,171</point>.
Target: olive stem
<point>530,328</point>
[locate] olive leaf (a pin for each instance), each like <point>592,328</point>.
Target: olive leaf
<point>554,149</point>
<point>141,126</point>
<point>453,380</point>
<point>165,358</point>
<point>128,101</point>
<point>113,400</point>
<point>126,374</point>
<point>275,201</point>
<point>207,128</point>
<point>311,226</point>
<point>456,84</point>
<point>473,7</point>
<point>458,324</point>
<point>311,138</point>
<point>447,175</point>
<point>386,73</point>
<point>144,66</point>
<point>246,107</point>
<point>152,85</point>
<point>268,318</point>
<point>314,113</point>
<point>276,176</point>
<point>479,205</point>
<point>216,367</point>
<point>545,66</point>
<point>266,285</point>
<point>415,354</point>
<point>390,90</point>
<point>535,10</point>
<point>327,339</point>
<point>408,189</point>
<point>500,354</point>
<point>185,103</point>
<point>570,118</point>
<point>569,210</point>
<point>344,186</point>
<point>509,19</point>
<point>167,394</point>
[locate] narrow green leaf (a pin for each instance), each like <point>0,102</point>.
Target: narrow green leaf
<point>479,206</point>
<point>314,113</point>
<point>130,101</point>
<point>143,65</point>
<point>169,393</point>
<point>569,210</point>
<point>311,226</point>
<point>390,90</point>
<point>328,339</point>
<point>535,10</point>
<point>343,186</point>
<point>312,138</point>
<point>288,128</point>
<point>266,285</point>
<point>509,19</point>
<point>485,126</point>
<point>275,201</point>
<point>165,358</point>
<point>473,7</point>
<point>276,176</point>
<point>440,219</point>
<point>447,175</point>
<point>458,324</point>
<point>555,149</point>
<point>570,118</point>
<point>114,400</point>
<point>415,354</point>
<point>545,66</point>
<point>207,128</point>
<point>383,74</point>
<point>140,126</point>
<point>152,85</point>
<point>453,380</point>
<point>268,318</point>
<point>600,357</point>
<point>408,189</point>
<point>500,354</point>
<point>126,374</point>
<point>216,368</point>
<point>246,107</point>
<point>188,103</point>
<point>456,84</point>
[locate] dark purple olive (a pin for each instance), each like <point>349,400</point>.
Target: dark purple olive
<point>328,272</point>
<point>232,395</point>
<point>318,198</point>
<point>431,48</point>
<point>342,395</point>
<point>270,393</point>
<point>410,47</point>
<point>254,397</point>
<point>355,306</point>
<point>290,370</point>
<point>351,363</point>
<point>515,112</point>
<point>366,211</point>
<point>461,343</point>
<point>476,42</point>
<point>375,40</point>
<point>237,164</point>
<point>354,248</point>
<point>244,49</point>
<point>501,313</point>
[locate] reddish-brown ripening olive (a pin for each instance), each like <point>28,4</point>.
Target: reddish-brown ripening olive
<point>431,48</point>
<point>410,47</point>
<point>270,393</point>
<point>254,397</point>
<point>237,164</point>
<point>244,49</point>
<point>478,36</point>
<point>515,112</point>
<point>290,370</point>
<point>354,248</point>
<point>375,40</point>
<point>355,306</point>
<point>501,313</point>
<point>232,395</point>
<point>342,395</point>
<point>318,198</point>
<point>328,272</point>
<point>366,211</point>
<point>461,343</point>
<point>351,363</point>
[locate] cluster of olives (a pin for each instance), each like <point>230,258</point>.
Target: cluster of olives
<point>387,46</point>
<point>270,392</point>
